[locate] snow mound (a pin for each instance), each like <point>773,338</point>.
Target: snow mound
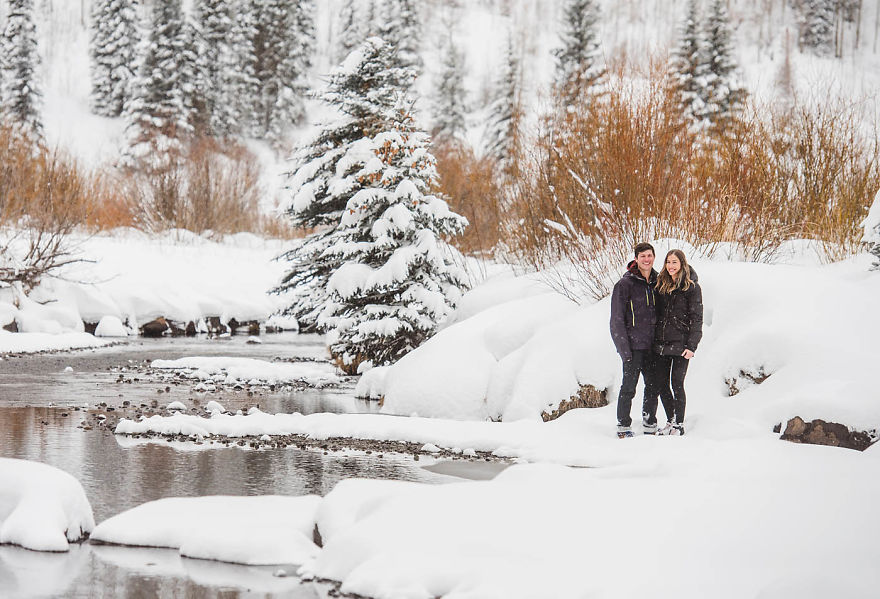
<point>110,326</point>
<point>41,507</point>
<point>259,530</point>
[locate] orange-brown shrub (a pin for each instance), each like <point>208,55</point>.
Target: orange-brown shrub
<point>470,184</point>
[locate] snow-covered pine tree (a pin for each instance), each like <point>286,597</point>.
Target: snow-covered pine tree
<point>158,113</point>
<point>245,86</point>
<point>871,226</point>
<point>113,52</point>
<point>725,96</point>
<point>502,135</point>
<point>213,110</point>
<point>349,30</point>
<point>20,97</point>
<point>449,104</point>
<point>396,280</point>
<point>365,89</point>
<point>579,65</point>
<point>688,69</point>
<point>817,26</point>
<point>283,45</point>
<point>410,34</point>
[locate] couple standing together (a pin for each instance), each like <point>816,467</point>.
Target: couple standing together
<point>656,325</point>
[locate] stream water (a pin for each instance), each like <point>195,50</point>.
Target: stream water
<point>38,423</point>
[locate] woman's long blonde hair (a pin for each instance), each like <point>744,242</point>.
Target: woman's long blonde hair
<point>666,283</point>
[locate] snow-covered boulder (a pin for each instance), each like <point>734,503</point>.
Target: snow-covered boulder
<point>41,507</point>
<point>260,530</point>
<point>110,326</point>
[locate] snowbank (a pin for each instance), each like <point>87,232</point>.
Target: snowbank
<point>41,507</point>
<point>547,531</point>
<point>233,370</point>
<point>812,327</point>
<point>247,530</point>
<point>36,342</point>
<point>127,276</point>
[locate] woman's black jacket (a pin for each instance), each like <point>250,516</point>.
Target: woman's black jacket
<point>679,319</point>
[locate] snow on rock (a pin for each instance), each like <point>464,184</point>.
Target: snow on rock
<point>449,376</point>
<point>371,383</point>
<point>41,507</point>
<point>246,530</point>
<point>246,369</point>
<point>110,326</point>
<point>214,406</point>
<point>175,406</point>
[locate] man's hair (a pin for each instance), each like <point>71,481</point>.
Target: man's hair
<point>644,247</point>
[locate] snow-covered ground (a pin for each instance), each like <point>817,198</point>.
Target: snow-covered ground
<point>132,277</point>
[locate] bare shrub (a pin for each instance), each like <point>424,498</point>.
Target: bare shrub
<point>470,184</point>
<point>43,197</point>
<point>214,187</point>
<point>607,174</point>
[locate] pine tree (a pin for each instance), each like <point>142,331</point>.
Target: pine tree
<point>113,52</point>
<point>366,89</point>
<point>579,68</point>
<point>283,45</point>
<point>817,26</point>
<point>213,110</point>
<point>396,280</point>
<point>158,113</point>
<point>409,25</point>
<point>20,96</point>
<point>348,35</point>
<point>449,108</point>
<point>245,86</point>
<point>688,69</point>
<point>871,226</point>
<point>724,96</point>
<point>502,136</point>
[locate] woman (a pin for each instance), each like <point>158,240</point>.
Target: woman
<point>678,332</point>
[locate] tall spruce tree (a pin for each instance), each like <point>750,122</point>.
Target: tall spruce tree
<point>449,104</point>
<point>396,280</point>
<point>245,85</point>
<point>113,52</point>
<point>158,113</point>
<point>366,90</point>
<point>871,227</point>
<point>725,96</point>
<point>579,66</point>
<point>214,111</point>
<point>688,67</point>
<point>349,30</point>
<point>502,135</point>
<point>817,26</point>
<point>20,96</point>
<point>409,43</point>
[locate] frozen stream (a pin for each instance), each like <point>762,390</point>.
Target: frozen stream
<point>37,424</point>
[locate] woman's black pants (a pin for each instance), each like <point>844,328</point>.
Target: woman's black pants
<point>669,372</point>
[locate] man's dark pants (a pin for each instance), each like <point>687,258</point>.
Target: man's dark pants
<point>642,363</point>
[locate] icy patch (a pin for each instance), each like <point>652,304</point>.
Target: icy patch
<point>260,530</point>
<point>41,507</point>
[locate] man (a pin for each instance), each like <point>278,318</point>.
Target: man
<point>633,316</point>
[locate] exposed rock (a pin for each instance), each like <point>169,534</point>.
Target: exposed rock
<point>12,327</point>
<point>744,379</point>
<point>820,432</point>
<point>253,328</point>
<point>155,328</point>
<point>176,329</point>
<point>215,327</point>
<point>191,330</point>
<point>89,327</point>
<point>587,397</point>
